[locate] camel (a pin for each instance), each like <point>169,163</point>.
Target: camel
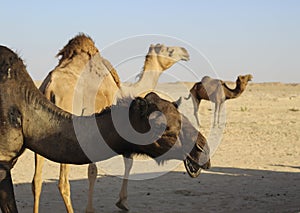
<point>158,59</point>
<point>218,92</point>
<point>30,121</point>
<point>77,58</point>
<point>84,69</point>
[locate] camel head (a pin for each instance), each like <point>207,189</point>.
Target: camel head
<point>155,114</point>
<point>165,56</point>
<point>243,79</point>
<point>168,125</point>
<point>198,158</point>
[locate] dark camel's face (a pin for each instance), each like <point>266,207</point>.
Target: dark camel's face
<point>159,117</point>
<point>163,116</point>
<point>243,79</point>
<point>198,158</point>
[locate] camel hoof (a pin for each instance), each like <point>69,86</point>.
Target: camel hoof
<point>122,205</point>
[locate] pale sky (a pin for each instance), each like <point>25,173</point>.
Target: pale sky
<point>225,38</point>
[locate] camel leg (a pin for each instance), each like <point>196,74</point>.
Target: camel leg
<point>92,175</point>
<point>122,203</point>
<point>37,181</point>
<point>64,186</point>
<point>219,113</point>
<point>7,197</point>
<point>217,106</point>
<point>196,111</point>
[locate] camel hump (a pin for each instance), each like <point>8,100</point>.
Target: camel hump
<point>210,84</point>
<point>206,79</point>
<point>78,44</point>
<point>5,51</point>
<point>10,64</point>
<point>7,58</point>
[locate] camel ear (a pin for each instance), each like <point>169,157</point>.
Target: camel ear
<point>151,50</point>
<point>152,97</point>
<point>177,103</point>
<point>151,47</point>
<point>250,77</point>
<point>240,78</point>
<point>171,52</point>
<point>142,105</point>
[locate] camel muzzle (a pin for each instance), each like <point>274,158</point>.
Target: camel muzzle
<point>197,160</point>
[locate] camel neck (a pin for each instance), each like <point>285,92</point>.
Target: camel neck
<point>151,72</point>
<point>148,80</point>
<point>152,64</point>
<point>233,93</point>
<point>63,138</point>
<point>146,83</point>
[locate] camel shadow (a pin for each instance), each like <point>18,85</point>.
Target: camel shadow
<point>221,189</point>
<point>281,165</point>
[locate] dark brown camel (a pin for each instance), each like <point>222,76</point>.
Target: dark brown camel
<point>216,91</point>
<point>29,120</point>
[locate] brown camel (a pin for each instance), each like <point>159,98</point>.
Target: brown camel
<point>216,91</point>
<point>82,67</point>
<point>29,120</point>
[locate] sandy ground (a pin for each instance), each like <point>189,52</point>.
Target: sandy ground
<point>256,167</point>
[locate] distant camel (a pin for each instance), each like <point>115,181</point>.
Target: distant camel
<point>83,83</point>
<point>29,120</point>
<point>216,91</point>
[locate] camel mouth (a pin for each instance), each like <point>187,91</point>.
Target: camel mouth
<point>192,168</point>
<point>185,57</point>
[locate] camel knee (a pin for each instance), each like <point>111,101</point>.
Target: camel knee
<point>36,185</point>
<point>64,188</point>
<point>92,172</point>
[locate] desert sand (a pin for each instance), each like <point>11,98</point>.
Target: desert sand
<point>256,167</point>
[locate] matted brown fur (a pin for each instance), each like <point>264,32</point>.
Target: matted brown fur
<point>83,43</point>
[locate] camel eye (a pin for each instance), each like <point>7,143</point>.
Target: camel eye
<point>171,52</point>
<point>158,50</point>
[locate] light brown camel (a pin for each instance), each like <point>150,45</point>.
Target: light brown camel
<point>29,120</point>
<point>158,59</point>
<point>84,69</point>
<point>216,91</point>
<point>61,85</point>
